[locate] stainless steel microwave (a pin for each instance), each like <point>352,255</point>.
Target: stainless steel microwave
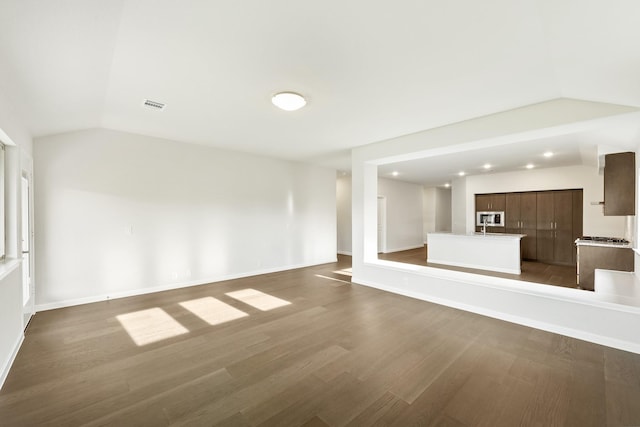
<point>491,219</point>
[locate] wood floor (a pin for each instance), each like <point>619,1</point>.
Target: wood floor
<point>537,272</point>
<point>307,348</point>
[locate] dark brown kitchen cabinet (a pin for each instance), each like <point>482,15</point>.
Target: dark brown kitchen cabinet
<point>608,258</point>
<point>520,218</point>
<point>619,184</point>
<point>559,224</point>
<point>490,202</point>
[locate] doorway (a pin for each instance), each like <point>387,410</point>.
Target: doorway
<point>28,294</point>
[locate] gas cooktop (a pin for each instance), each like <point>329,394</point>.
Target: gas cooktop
<point>603,239</point>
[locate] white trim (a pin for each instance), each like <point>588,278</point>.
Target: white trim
<point>477,267</point>
<point>143,291</point>
<point>345,253</point>
<point>9,363</point>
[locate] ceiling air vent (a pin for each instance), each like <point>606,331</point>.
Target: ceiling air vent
<point>153,104</point>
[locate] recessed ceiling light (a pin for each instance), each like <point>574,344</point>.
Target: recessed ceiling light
<point>461,173</point>
<point>288,101</point>
<point>447,185</point>
<point>548,154</point>
<point>530,166</point>
<point>394,173</point>
<point>487,166</point>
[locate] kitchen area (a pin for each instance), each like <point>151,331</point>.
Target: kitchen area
<point>546,227</point>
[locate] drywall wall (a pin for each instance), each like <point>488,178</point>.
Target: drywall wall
<point>120,214</point>
<point>443,209</point>
<point>14,134</point>
<point>404,203</point>
<point>459,205</point>
<point>429,201</point>
<point>343,213</point>
<point>436,210</point>
<point>404,214</point>
<point>585,177</point>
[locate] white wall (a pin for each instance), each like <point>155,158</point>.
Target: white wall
<point>404,214</point>
<point>585,177</point>
<point>459,205</point>
<point>443,209</point>
<point>120,214</point>
<point>343,213</point>
<point>18,155</point>
<point>429,202</point>
<point>436,208</point>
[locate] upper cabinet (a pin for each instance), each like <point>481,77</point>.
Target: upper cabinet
<point>490,202</point>
<point>620,184</point>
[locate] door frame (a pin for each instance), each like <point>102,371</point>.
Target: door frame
<point>26,178</point>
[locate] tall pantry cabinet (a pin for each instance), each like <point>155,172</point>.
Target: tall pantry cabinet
<point>559,224</point>
<point>520,218</point>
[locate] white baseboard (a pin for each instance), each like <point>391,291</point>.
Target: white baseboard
<point>345,253</point>
<point>476,266</point>
<point>7,365</point>
<point>169,287</point>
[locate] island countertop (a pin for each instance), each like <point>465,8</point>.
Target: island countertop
<point>491,251</point>
<point>480,234</point>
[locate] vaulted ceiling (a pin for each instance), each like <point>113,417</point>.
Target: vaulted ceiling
<point>371,70</point>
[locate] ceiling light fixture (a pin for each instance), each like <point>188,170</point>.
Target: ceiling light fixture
<point>487,166</point>
<point>394,173</point>
<point>288,101</point>
<point>447,185</point>
<point>530,166</point>
<point>461,173</point>
<point>548,154</point>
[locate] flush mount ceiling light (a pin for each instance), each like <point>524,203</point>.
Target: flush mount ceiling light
<point>548,154</point>
<point>530,166</point>
<point>394,173</point>
<point>288,101</point>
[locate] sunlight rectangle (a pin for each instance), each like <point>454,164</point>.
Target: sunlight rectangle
<point>149,326</point>
<point>344,272</point>
<point>257,299</point>
<point>213,311</point>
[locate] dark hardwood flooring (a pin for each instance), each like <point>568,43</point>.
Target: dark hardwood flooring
<point>537,272</point>
<point>338,354</point>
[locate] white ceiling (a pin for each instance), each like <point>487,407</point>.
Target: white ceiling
<point>371,70</point>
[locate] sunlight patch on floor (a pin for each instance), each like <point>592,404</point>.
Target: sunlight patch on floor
<point>257,299</point>
<point>149,326</point>
<point>333,279</point>
<point>344,272</point>
<point>213,311</point>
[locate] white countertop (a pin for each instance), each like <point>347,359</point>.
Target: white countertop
<point>480,234</point>
<point>604,244</point>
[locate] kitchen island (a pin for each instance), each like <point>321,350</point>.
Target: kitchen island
<point>491,251</point>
